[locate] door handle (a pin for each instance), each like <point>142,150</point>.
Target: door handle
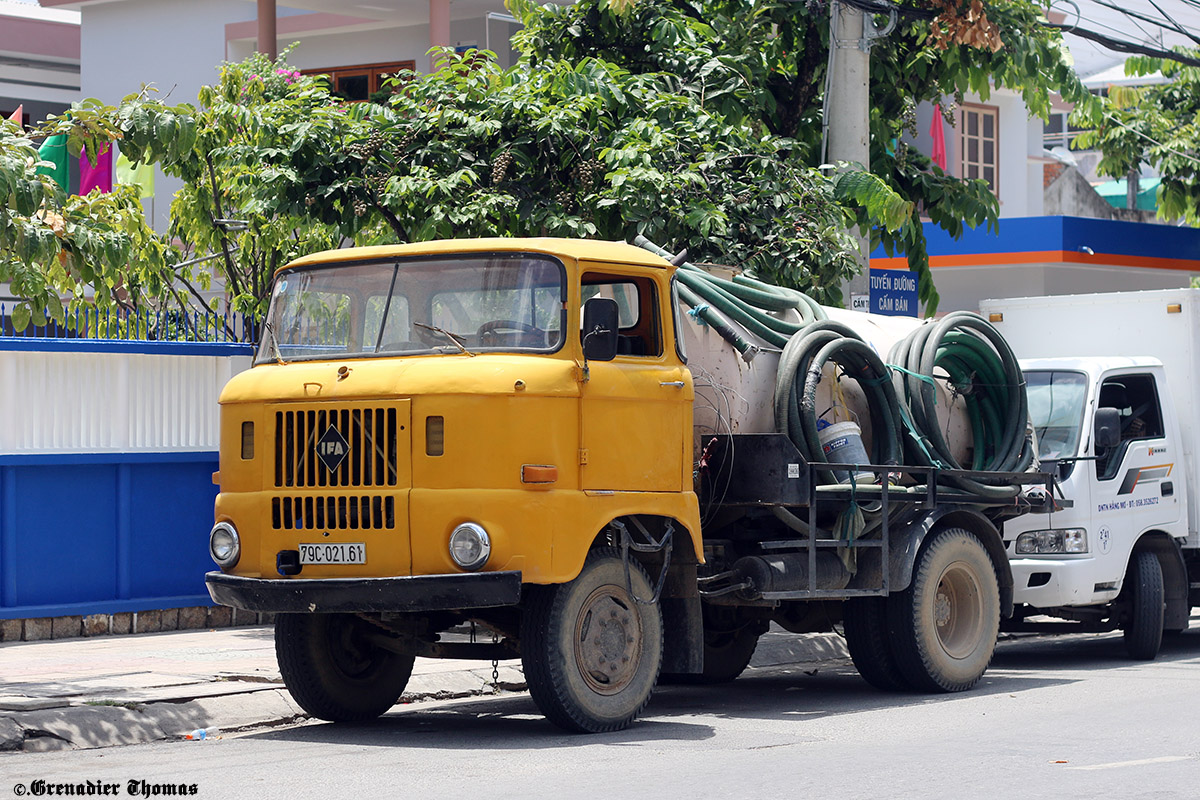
<point>676,384</point>
<point>1167,488</point>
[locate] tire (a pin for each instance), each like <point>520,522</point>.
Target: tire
<point>1143,627</point>
<point>572,636</point>
<point>864,620</point>
<point>333,671</point>
<point>726,656</point>
<point>944,625</point>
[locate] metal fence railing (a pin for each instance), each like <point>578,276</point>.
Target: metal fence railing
<point>138,326</point>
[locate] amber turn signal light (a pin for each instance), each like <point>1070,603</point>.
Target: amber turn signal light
<point>538,473</point>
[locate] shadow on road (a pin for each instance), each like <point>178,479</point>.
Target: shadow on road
<point>778,693</point>
<point>785,692</point>
<point>1086,652</point>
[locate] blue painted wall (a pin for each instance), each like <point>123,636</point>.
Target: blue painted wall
<point>104,533</point>
<point>1037,234</point>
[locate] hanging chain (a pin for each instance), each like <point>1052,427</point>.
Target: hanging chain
<point>495,666</point>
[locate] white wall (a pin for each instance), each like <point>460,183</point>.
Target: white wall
<point>176,45</point>
<point>962,288</point>
<point>117,402</point>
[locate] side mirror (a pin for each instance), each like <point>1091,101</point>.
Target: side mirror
<point>600,321</point>
<point>1107,428</point>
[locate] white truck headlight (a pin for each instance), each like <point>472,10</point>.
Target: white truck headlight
<point>1062,540</point>
<point>470,546</point>
<point>224,545</point>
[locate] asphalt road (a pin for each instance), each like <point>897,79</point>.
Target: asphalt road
<point>1056,718</point>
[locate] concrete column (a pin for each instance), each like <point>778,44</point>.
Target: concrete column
<point>848,107</point>
<point>439,25</point>
<point>266,29</point>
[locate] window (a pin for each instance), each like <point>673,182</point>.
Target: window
<point>981,143</point>
<point>360,82</point>
<point>1056,404</point>
<point>506,302</point>
<point>1136,398</point>
<point>640,333</point>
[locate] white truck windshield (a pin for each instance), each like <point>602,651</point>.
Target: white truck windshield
<point>487,303</point>
<point>1056,405</point>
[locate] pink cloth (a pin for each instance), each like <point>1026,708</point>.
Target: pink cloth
<point>99,176</point>
<point>936,130</point>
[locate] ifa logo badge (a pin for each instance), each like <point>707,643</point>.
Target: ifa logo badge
<point>332,448</point>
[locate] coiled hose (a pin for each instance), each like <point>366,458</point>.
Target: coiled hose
<point>984,372</point>
<point>901,394</point>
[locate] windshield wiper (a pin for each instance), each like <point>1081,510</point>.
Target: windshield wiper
<point>272,343</point>
<point>452,337</point>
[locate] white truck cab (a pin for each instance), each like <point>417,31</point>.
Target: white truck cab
<point>1114,397</point>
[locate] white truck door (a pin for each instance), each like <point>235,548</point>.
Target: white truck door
<point>1135,480</point>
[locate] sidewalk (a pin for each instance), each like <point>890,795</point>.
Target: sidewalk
<point>115,690</point>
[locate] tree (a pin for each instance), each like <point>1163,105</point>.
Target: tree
<point>1153,125</point>
<point>571,149</point>
<point>764,61</point>
<point>53,244</point>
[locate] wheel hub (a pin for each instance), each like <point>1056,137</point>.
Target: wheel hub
<point>957,610</point>
<point>608,640</point>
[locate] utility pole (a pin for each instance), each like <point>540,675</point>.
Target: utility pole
<point>848,109</point>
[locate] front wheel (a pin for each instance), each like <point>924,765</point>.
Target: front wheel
<point>1143,628</point>
<point>333,669</point>
<point>590,652</point>
<point>944,625</point>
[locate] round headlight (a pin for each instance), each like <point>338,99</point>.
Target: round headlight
<point>224,545</point>
<point>470,546</point>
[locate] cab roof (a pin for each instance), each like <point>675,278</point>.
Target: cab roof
<point>569,249</point>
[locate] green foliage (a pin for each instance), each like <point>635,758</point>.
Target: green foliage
<point>1156,125</point>
<point>694,122</point>
<point>53,245</point>
<point>764,63</point>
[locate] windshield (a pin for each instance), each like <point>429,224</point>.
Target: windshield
<point>1056,405</point>
<point>464,304</point>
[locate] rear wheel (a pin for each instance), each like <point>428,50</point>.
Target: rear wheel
<point>730,639</point>
<point>1143,626</point>
<point>944,626</point>
<point>865,622</point>
<point>333,669</point>
<point>590,652</point>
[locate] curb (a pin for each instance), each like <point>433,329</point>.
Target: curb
<point>217,706</point>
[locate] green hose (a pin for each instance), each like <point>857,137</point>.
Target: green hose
<point>901,394</point>
<point>983,370</point>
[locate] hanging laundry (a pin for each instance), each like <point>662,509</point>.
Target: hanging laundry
<point>98,175</point>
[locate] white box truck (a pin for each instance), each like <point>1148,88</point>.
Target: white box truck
<point>1114,394</point>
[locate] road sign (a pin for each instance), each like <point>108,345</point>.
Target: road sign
<point>894,292</point>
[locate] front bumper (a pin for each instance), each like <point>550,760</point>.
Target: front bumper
<point>365,595</point>
<point>1060,582</point>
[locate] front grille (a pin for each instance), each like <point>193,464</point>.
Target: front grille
<point>371,434</point>
<point>333,513</point>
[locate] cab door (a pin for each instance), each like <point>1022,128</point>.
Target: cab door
<point>633,408</point>
<point>1136,480</point>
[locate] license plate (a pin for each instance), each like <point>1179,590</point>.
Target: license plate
<point>334,553</point>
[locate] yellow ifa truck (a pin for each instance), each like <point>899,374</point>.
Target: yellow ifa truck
<point>507,436</point>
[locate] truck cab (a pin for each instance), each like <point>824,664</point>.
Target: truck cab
<point>432,432</point>
<point>1108,430</point>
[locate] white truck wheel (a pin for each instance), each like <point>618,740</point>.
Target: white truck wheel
<point>1143,626</point>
